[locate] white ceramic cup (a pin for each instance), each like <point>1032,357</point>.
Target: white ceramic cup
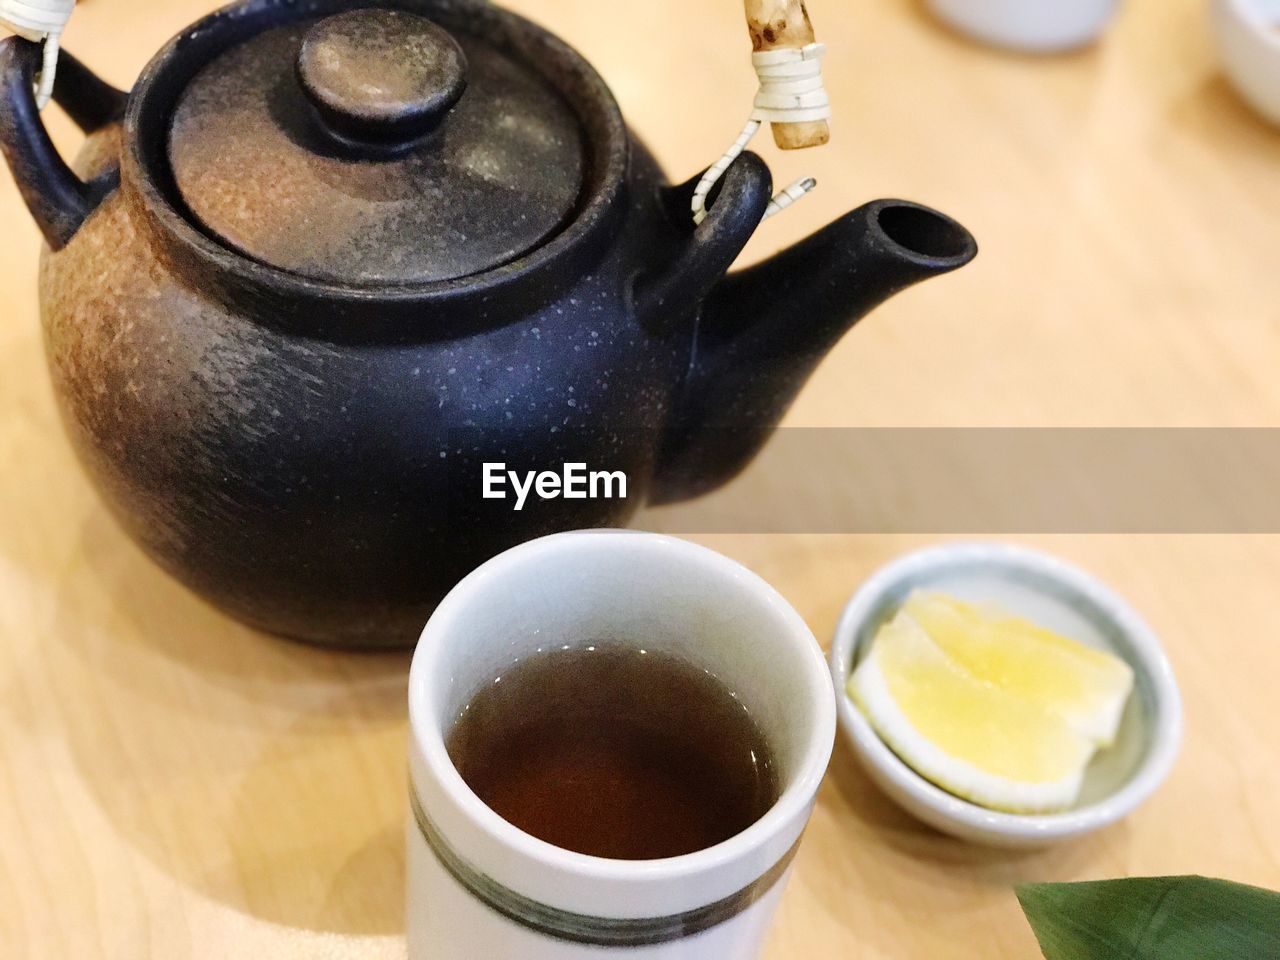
<point>478,887</point>
<point>1035,26</point>
<point>1248,33</point>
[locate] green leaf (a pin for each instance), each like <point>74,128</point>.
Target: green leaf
<point>1153,918</point>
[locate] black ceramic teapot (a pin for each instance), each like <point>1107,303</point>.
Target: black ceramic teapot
<point>327,259</point>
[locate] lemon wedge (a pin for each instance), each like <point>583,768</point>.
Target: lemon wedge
<point>967,735</point>
<point>1088,688</point>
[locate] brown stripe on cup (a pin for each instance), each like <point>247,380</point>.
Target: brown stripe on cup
<point>584,928</point>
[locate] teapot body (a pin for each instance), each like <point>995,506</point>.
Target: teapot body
<point>322,438</point>
<point>331,490</point>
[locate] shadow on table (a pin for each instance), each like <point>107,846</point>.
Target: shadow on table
<point>1216,113</point>
<point>892,857</point>
<point>261,773</point>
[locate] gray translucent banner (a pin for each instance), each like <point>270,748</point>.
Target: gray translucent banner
<point>978,481</point>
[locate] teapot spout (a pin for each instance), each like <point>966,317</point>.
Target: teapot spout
<point>764,330</point>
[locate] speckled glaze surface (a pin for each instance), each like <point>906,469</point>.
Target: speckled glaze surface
<point>378,180</point>
<point>328,490</point>
<point>306,452</point>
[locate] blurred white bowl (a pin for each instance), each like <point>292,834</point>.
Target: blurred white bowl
<point>1062,598</point>
<point>1035,26</point>
<point>1249,38</point>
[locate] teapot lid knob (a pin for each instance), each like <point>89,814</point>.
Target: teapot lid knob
<point>379,76</point>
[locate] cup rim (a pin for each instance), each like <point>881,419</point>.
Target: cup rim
<point>948,811</point>
<point>792,804</point>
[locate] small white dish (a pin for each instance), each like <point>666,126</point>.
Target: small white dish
<point>1033,26</point>
<point>1062,598</point>
<point>1248,33</point>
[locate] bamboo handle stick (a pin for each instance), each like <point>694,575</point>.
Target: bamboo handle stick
<point>785,24</point>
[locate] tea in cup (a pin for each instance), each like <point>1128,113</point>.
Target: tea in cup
<point>616,742</point>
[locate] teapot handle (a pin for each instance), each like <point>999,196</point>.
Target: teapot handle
<point>59,201</point>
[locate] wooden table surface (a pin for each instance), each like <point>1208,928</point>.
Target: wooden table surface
<point>173,785</point>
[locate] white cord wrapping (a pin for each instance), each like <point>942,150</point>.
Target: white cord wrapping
<point>38,20</point>
<point>791,91</point>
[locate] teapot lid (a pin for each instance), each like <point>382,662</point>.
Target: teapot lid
<point>374,147</point>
